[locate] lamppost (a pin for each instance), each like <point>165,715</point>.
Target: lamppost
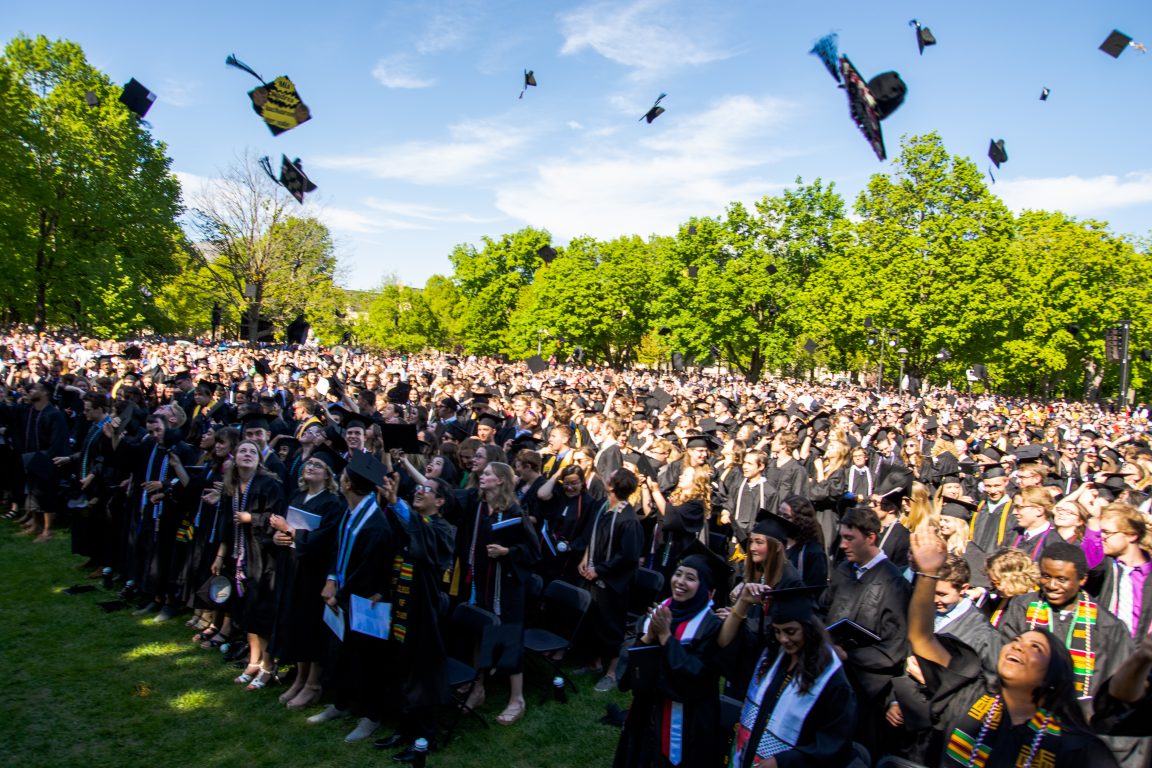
<point>541,334</point>
<point>882,337</point>
<point>903,352</point>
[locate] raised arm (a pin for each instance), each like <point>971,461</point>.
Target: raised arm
<point>928,553</point>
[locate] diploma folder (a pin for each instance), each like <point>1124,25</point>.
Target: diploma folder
<point>849,634</point>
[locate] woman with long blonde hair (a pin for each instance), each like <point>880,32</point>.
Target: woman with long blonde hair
<point>683,517</point>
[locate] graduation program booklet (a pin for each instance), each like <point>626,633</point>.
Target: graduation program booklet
<point>334,618</point>
<point>368,619</point>
<point>301,520</point>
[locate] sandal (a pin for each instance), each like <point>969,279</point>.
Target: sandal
<point>205,635</point>
<point>513,713</point>
<point>215,642</point>
<point>266,677</point>
<point>248,676</point>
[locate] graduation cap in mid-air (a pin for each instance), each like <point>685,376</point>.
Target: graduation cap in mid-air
<point>1044,94</point>
<point>277,103</point>
<point>924,36</point>
<point>693,271</point>
<point>1117,42</point>
<point>664,331</point>
<point>546,253</point>
<point>291,177</point>
<point>825,49</point>
<point>91,99</point>
<point>529,81</point>
<point>655,111</point>
<point>997,154</point>
<point>872,101</point>
<point>810,346</point>
<point>536,364</point>
<point>136,97</point>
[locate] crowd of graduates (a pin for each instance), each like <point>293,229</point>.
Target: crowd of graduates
<point>780,573</point>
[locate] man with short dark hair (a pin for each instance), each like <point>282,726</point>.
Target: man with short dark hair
<point>41,436</point>
<point>866,588</point>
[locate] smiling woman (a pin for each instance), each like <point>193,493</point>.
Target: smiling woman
<point>1029,718</point>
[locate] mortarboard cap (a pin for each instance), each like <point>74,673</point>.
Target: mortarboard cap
<point>810,347</point>
<point>655,111</point>
<point>849,634</point>
<point>291,177</point>
<point>895,484</point>
<point>825,49</point>
<point>924,36</point>
<point>693,271</point>
<point>547,253</point>
<point>773,525</point>
<point>793,604</point>
<point>256,421</point>
<point>490,420</point>
<point>334,462</point>
<point>1044,94</point>
<point>642,463</point>
<point>456,431</point>
<point>996,152</point>
<point>959,509</point>
<point>994,471</point>
<point>664,331</point>
<point>703,441</point>
<point>91,99</point>
<point>536,364</point>
<point>1115,43</point>
<point>1028,453</point>
<point>862,107</point>
<point>402,436</point>
<point>277,103</point>
<point>216,591</point>
<point>529,81</point>
<point>366,467</point>
<point>137,98</point>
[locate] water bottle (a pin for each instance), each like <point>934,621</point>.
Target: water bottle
<point>106,574</point>
<point>420,747</point>
<point>558,689</point>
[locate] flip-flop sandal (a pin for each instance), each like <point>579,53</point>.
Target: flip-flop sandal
<point>207,634</point>
<point>214,642</point>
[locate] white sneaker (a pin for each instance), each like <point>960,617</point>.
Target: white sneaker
<point>329,713</point>
<point>364,730</point>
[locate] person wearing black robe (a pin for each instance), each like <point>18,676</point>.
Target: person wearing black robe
<point>94,469</point>
<point>784,475</point>
<point>207,527</point>
<point>563,521</point>
<point>361,566</point>
<point>992,521</point>
<point>1123,705</point>
<point>866,588</point>
<point>251,497</point>
<point>683,518</point>
<point>302,561</point>
<point>425,542</point>
<point>1027,717</point>
<point>611,556</point>
<point>496,548</point>
<point>673,675</point>
<point>799,709</point>
<point>41,437</point>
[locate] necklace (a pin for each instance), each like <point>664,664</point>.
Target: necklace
<point>978,751</point>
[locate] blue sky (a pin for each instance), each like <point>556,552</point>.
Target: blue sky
<point>418,141</point>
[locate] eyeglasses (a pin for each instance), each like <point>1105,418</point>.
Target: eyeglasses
<point>314,464</point>
<point>429,489</point>
<point>1105,535</point>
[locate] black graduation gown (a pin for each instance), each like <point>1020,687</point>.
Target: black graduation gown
<point>424,548</point>
<point>252,555</point>
<point>825,739</point>
<point>300,634</point>
<point>616,549</point>
<point>207,528</point>
<point>564,519</point>
<point>499,584</point>
<point>960,696</point>
<point>679,526</point>
<point>993,529</point>
<point>896,541</point>
<point>93,456</point>
<point>810,563</point>
<point>682,674</point>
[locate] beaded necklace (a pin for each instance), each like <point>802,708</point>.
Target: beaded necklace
<point>1083,660</point>
<point>240,504</point>
<point>979,755</point>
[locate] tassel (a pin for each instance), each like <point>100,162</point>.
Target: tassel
<point>266,164</point>
<point>232,61</point>
<point>826,50</point>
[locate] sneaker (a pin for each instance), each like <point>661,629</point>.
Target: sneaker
<point>363,730</point>
<point>147,609</point>
<point>330,713</point>
<point>606,684</point>
<point>166,613</point>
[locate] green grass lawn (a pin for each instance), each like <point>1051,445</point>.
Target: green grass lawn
<point>86,688</point>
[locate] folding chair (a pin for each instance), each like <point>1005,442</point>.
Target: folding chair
<point>565,607</point>
<point>645,590</point>
<point>468,623</point>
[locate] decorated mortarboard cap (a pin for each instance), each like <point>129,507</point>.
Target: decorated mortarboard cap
<point>1115,44</point>
<point>794,603</point>
<point>710,566</point>
<point>773,525</point>
<point>277,102</point>
<point>216,591</point>
<point>137,98</point>
<point>655,111</point>
<point>536,364</point>
<point>366,467</point>
<point>292,177</point>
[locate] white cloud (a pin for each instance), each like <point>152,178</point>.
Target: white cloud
<point>697,166</point>
<point>360,222</point>
<point>1077,195</point>
<point>399,72</point>
<point>444,31</point>
<point>646,35</point>
<point>178,93</point>
<point>471,150</point>
<point>424,212</point>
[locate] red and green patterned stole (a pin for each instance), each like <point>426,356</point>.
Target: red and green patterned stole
<point>1078,639</point>
<point>969,744</point>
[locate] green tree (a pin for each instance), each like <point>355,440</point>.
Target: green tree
<point>447,304</point>
<point>928,259</point>
<point>262,258</point>
<point>490,280</point>
<point>400,320</point>
<point>90,205</point>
